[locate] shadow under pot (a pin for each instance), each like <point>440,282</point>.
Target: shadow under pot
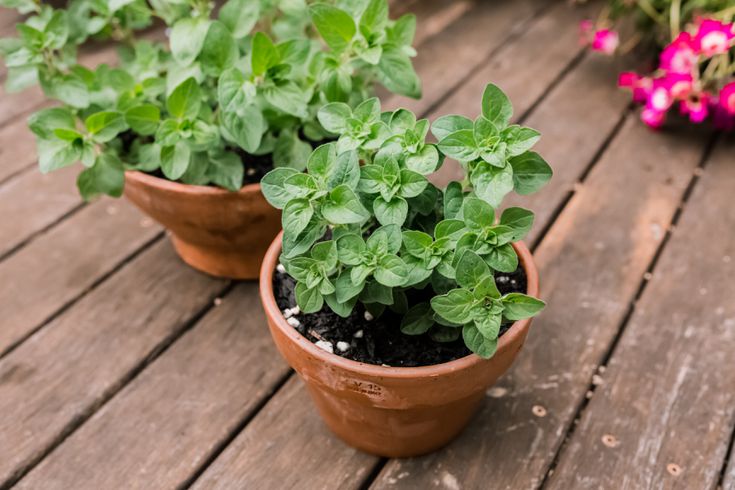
<point>393,411</point>
<point>220,232</point>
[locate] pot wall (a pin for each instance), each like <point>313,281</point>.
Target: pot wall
<point>222,233</point>
<point>392,412</point>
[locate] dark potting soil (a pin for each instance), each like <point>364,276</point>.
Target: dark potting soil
<point>381,341</point>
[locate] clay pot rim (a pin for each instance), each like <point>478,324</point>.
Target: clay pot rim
<point>178,187</point>
<point>506,341</point>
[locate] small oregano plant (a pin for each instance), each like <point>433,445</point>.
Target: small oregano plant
<point>364,223</point>
<point>243,80</point>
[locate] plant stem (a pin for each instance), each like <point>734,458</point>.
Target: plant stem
<point>675,18</point>
<point>649,10</point>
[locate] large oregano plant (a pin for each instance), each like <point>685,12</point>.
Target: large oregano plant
<point>364,223</point>
<point>244,79</point>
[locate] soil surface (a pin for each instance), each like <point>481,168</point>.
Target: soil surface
<point>380,341</point>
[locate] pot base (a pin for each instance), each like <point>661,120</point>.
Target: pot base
<point>219,262</point>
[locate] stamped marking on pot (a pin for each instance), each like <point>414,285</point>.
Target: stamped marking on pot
<point>539,411</point>
<point>610,440</point>
<point>370,389</point>
<point>673,469</point>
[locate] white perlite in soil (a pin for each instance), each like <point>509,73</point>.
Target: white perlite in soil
<point>343,346</point>
<point>324,345</point>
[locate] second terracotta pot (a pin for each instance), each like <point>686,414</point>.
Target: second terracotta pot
<point>222,233</point>
<point>392,411</point>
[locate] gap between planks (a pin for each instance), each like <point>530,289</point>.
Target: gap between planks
<point>592,386</point>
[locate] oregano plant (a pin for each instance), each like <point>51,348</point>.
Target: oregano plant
<point>227,86</point>
<point>364,224</point>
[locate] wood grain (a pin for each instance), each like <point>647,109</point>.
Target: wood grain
<point>287,443</point>
<point>63,263</point>
<point>53,381</point>
<point>449,57</point>
<point>33,202</point>
<point>169,419</point>
<point>591,264</point>
<point>667,398</point>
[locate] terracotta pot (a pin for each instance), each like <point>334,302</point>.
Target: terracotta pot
<point>217,231</point>
<point>392,411</point>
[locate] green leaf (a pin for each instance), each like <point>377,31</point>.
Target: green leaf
<point>412,183</point>
<point>393,212</point>
<point>471,269</point>
<point>486,288</point>
<point>385,240</point>
<point>530,172</point>
<point>342,308</point>
<point>264,54</point>
<point>106,176</point>
<point>477,343</point>
<point>186,99</point>
<point>187,38</point>
<point>175,160</point>
<point>519,306</point>
<point>478,214</point>
<point>240,16</point>
<point>375,17</point>
<point>391,271</point>
<point>492,183</point>
<point>460,145</point>
<point>376,293</point>
<point>489,325</point>
<point>449,228</point>
<point>453,200</point>
<point>396,72</point>
<point>296,216</point>
<point>55,154</point>
<point>291,151</point>
<point>455,306</point>
<point>503,258</point>
<point>104,126</point>
<point>143,119</point>
<point>346,289</point>
<point>288,97</point>
<point>245,127</point>
<point>446,125</point>
<point>273,188</point>
<point>417,243</point>
<point>334,25</point>
<point>351,249</point>
<point>44,122</point>
<point>343,207</point>
<point>219,51</point>
<point>231,92</point>
<point>424,162</point>
<point>496,106</point>
<point>418,320</point>
<point>309,300</point>
<point>519,219</point>
<point>519,139</point>
<point>403,30</point>
<point>334,116</point>
<point>226,170</point>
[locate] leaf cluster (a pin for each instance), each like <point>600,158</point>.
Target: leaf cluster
<point>365,224</point>
<point>247,78</point>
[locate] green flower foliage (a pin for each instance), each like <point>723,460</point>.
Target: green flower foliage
<point>249,77</point>
<point>365,224</point>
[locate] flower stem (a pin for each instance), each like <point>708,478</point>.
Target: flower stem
<point>675,18</point>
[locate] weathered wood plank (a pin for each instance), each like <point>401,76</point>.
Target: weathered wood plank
<point>170,419</point>
<point>287,443</point>
<point>446,59</point>
<point>17,146</point>
<point>666,408</point>
<point>591,264</point>
<point>53,381</point>
<point>34,201</point>
<point>728,481</point>
<point>63,263</point>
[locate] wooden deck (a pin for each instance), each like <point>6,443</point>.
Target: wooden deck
<point>122,368</point>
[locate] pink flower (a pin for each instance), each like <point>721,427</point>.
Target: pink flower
<point>696,106</point>
<point>601,40</point>
<point>714,37</point>
<point>679,56</point>
<point>640,86</point>
<point>679,84</point>
<point>727,98</point>
<point>605,41</point>
<point>660,98</point>
<point>652,117</point>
